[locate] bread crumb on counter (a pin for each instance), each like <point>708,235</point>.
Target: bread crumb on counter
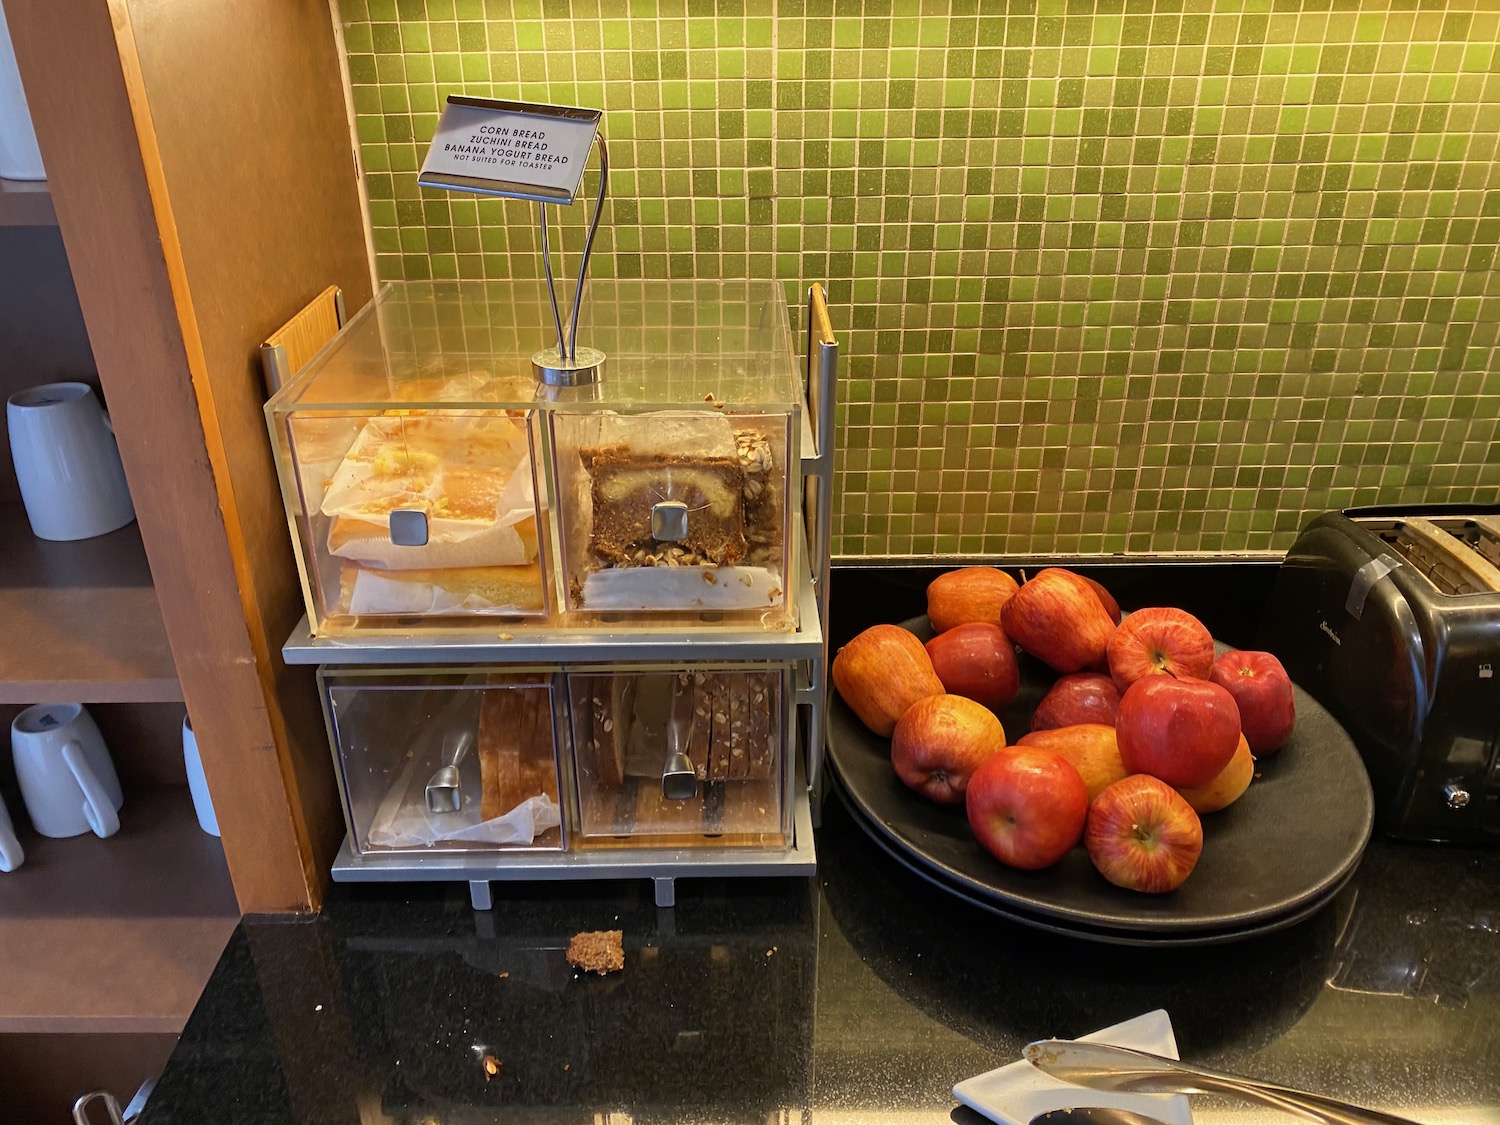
<point>597,951</point>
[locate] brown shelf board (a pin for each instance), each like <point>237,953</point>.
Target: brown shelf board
<point>116,935</point>
<point>26,203</point>
<point>79,622</point>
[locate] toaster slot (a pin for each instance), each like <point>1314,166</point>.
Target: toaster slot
<point>1451,553</point>
<point>1487,537</point>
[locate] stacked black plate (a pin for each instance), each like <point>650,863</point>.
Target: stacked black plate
<point>1275,857</point>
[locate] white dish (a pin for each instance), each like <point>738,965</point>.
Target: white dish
<point>1014,1094</point>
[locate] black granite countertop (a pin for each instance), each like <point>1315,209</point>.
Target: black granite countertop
<point>863,994</point>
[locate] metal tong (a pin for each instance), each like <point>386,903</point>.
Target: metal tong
<point>1102,1067</point>
<point>679,778</point>
<point>444,787</point>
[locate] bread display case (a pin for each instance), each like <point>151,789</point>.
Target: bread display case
<point>445,760</point>
<point>406,455</point>
<point>475,760</point>
<point>433,484</point>
<point>567,631</point>
<point>673,472</point>
<point>691,753</point>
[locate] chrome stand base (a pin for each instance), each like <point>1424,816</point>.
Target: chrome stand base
<point>577,370</point>
<point>666,890</point>
<point>479,894</point>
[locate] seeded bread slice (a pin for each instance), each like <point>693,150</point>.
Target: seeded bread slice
<point>611,703</point>
<point>765,722</point>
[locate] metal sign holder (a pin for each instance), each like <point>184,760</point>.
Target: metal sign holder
<point>565,365</point>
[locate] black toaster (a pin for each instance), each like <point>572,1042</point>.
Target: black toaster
<point>1390,618</point>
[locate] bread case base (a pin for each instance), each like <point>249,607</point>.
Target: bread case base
<point>663,866</point>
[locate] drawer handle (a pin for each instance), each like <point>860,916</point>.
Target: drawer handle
<point>669,521</point>
<point>408,527</point>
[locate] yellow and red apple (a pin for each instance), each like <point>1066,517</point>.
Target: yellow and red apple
<point>1143,836</point>
<point>1160,640</point>
<point>940,742</point>
<point>1059,619</point>
<point>971,593</point>
<point>881,673</point>
<point>1090,748</point>
<point>1228,787</point>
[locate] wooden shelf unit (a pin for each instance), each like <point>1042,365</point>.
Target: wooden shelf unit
<point>79,622</point>
<point>178,265</point>
<point>26,203</point>
<point>116,935</point>
<point>147,117</point>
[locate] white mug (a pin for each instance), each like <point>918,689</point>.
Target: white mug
<point>203,802</point>
<point>67,778</point>
<point>11,855</point>
<point>67,462</point>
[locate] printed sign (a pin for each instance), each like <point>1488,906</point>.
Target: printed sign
<point>515,149</point>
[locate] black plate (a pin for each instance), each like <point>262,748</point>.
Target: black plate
<point>1283,849</point>
<point>1138,938</point>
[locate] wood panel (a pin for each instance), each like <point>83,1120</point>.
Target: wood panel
<point>301,337</point>
<point>26,203</point>
<point>248,111</point>
<point>118,934</point>
<point>203,126</point>
<point>79,622</point>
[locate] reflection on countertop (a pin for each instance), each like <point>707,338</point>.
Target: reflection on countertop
<point>862,996</point>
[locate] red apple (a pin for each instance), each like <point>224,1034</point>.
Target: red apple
<point>881,673</point>
<point>1027,807</point>
<point>1152,641</point>
<point>1143,836</point>
<point>1182,731</point>
<point>1058,618</point>
<point>976,660</point>
<point>1106,599</point>
<point>1090,748</point>
<point>1079,697</point>
<point>1263,692</point>
<point>971,593</point>
<point>940,742</point>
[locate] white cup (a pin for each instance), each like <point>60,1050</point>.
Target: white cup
<point>11,855</point>
<point>203,802</point>
<point>67,778</point>
<point>67,462</point>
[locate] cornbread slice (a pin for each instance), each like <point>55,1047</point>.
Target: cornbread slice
<point>597,951</point>
<point>442,590</point>
<point>467,471</point>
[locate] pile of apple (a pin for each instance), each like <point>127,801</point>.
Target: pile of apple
<point>1144,731</point>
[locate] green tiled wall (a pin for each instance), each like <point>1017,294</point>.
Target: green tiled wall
<point>1122,276</point>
